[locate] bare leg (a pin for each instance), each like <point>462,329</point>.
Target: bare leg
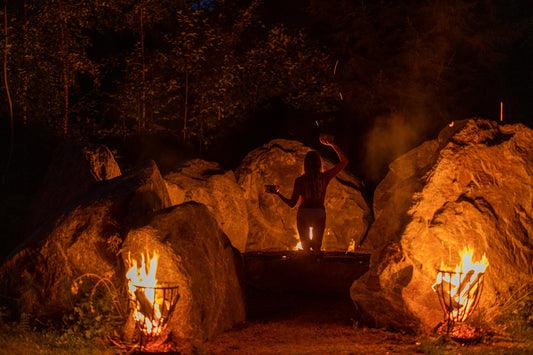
<point>318,234</point>
<point>304,224</point>
<point>303,231</point>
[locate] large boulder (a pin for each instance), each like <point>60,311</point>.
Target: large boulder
<point>470,187</point>
<point>84,239</point>
<point>207,183</point>
<point>272,224</point>
<point>74,167</point>
<point>195,255</point>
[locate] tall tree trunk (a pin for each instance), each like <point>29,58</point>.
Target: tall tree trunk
<point>6,83</point>
<point>64,74</point>
<point>186,105</point>
<point>25,100</point>
<point>25,79</point>
<point>143,79</point>
<point>65,94</point>
<point>123,127</point>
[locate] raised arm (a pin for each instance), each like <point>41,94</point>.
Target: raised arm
<point>343,160</point>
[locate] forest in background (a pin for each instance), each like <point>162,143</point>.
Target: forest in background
<point>172,79</point>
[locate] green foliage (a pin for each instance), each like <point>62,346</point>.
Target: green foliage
<point>524,311</point>
<point>121,66</point>
<point>15,340</point>
<point>84,322</point>
<point>97,306</point>
<point>201,69</point>
<point>49,56</point>
<point>508,330</point>
<point>517,313</point>
<point>95,316</point>
<point>209,74</point>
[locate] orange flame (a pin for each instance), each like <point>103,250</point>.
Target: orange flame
<point>463,282</point>
<point>141,283</point>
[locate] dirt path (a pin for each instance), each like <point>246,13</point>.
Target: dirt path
<point>305,336</point>
<point>301,336</point>
<point>298,324</point>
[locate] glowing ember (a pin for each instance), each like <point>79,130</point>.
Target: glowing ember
<point>461,287</point>
<point>141,288</point>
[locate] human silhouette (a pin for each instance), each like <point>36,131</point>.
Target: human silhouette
<point>310,190</point>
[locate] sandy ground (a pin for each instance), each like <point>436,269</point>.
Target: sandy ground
<point>304,336</point>
<point>298,324</point>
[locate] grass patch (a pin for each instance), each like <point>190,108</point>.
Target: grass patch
<point>513,333</point>
<point>95,313</point>
<point>15,339</point>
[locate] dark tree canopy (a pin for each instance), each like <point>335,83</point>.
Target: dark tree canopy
<point>217,75</point>
<point>218,78</point>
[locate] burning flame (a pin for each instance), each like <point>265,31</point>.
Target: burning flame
<point>462,284</point>
<point>141,284</point>
<point>299,245</point>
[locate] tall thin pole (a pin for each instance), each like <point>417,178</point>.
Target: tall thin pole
<point>6,84</point>
<point>143,80</point>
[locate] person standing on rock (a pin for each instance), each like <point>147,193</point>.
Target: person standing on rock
<point>310,190</point>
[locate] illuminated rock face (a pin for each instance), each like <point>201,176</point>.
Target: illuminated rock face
<point>194,254</point>
<point>131,213</point>
<point>472,186</point>
<point>207,183</point>
<point>85,238</point>
<point>272,224</point>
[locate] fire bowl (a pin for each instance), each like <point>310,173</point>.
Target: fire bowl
<point>459,294</point>
<point>152,308</point>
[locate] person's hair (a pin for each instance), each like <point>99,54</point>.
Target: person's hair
<point>312,163</point>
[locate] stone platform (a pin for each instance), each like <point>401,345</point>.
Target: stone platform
<point>293,284</point>
<point>295,271</point>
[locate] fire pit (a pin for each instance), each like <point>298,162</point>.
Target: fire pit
<point>152,309</point>
<point>152,302</point>
<point>458,303</point>
<point>459,291</point>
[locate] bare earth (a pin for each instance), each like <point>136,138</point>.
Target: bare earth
<point>304,336</point>
<point>317,325</point>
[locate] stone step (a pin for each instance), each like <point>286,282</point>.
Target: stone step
<point>296,271</point>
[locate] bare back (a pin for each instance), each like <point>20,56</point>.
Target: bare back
<point>312,189</point>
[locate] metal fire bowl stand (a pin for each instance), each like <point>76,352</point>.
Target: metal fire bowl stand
<point>169,296</point>
<point>454,311</point>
